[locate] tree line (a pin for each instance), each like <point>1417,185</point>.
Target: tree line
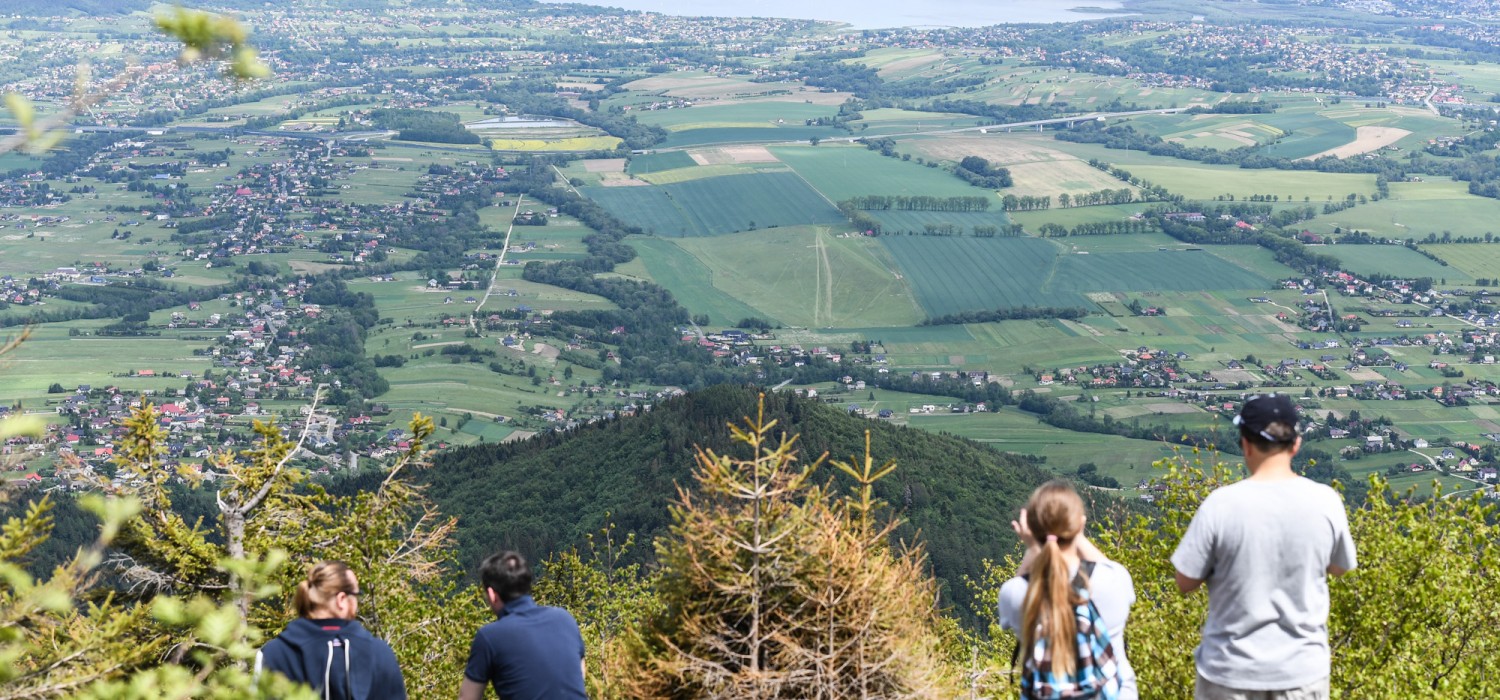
<point>1009,313</point>
<point>878,202</point>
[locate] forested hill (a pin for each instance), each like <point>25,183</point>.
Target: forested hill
<point>549,492</point>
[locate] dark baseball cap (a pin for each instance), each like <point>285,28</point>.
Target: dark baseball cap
<point>1261,410</point>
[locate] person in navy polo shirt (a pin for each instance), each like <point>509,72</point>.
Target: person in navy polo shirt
<point>530,651</point>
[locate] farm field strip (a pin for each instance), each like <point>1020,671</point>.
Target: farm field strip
<point>954,274</point>
<point>718,205</point>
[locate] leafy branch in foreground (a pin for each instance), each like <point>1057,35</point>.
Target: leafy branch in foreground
<point>205,36</point>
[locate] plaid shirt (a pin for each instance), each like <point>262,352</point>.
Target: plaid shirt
<point>1095,676</point>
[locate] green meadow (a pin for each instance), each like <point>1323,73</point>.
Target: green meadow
<point>842,172</point>
<point>1416,209</point>
<point>1010,430</point>
<point>796,276</point>
<point>1394,261</point>
<point>809,276</point>
<point>952,274</point>
<point>1472,259</point>
<point>714,206</point>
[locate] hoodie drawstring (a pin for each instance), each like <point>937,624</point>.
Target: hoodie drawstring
<point>328,671</point>
<point>348,679</point>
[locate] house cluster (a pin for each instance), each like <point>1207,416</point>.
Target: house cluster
<point>1143,367</point>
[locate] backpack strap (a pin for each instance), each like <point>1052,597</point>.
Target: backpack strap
<point>1085,571</point>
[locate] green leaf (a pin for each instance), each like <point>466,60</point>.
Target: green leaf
<point>218,627</point>
<point>21,109</point>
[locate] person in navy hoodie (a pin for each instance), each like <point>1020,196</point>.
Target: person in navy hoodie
<point>327,648</point>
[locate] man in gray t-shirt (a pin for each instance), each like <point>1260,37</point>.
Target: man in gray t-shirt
<point>1265,547</point>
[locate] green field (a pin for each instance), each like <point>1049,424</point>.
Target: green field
<point>842,172</point>
<point>1472,259</point>
<point>952,274</point>
<point>1416,209</point>
<point>51,355</point>
<point>1308,133</point>
<point>808,276</point>
<point>764,114</point>
<point>1394,261</point>
<point>916,222</point>
<point>657,162</point>
<point>802,276</point>
<point>689,280</point>
<point>719,205</point>
<point>1011,430</point>
<point>1197,181</point>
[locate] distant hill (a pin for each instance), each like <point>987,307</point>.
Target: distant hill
<point>547,493</point>
<point>53,8</point>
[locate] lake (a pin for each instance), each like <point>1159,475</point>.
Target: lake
<point>876,14</point>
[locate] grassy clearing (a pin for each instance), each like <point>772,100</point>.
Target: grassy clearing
<point>52,355</point>
<point>657,162</point>
<point>1011,430</point>
<point>909,222</point>
<point>842,172</point>
<point>808,276</point>
<point>1073,216</point>
<point>1394,260</point>
<point>1472,259</point>
<point>1416,209</point>
<point>689,279</point>
<point>1052,178</point>
<point>1206,182</point>
<point>718,205</point>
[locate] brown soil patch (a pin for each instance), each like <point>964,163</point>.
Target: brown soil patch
<point>1365,374</point>
<point>712,156</point>
<point>1230,376</point>
<point>998,148</point>
<point>749,154</point>
<point>1367,138</point>
<point>605,165</point>
<point>622,180</point>
<point>1056,177</point>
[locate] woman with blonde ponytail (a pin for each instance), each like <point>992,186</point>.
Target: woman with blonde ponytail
<point>1064,579</point>
<point>326,647</point>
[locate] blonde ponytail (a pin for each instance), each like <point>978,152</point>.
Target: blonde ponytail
<point>325,580</point>
<point>1055,516</point>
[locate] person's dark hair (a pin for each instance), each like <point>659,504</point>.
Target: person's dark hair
<point>1285,436</point>
<point>506,573</point>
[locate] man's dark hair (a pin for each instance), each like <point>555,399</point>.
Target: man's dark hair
<point>507,574</point>
<point>1285,435</point>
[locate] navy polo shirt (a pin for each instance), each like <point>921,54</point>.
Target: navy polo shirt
<point>532,652</point>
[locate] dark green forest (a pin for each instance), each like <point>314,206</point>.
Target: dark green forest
<point>548,493</point>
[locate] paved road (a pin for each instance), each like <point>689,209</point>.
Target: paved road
<point>490,288</point>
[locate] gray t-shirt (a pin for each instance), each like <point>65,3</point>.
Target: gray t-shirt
<point>1264,549</point>
<point>1112,592</point>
